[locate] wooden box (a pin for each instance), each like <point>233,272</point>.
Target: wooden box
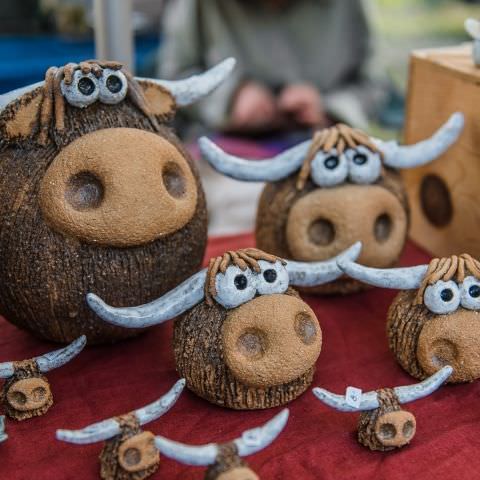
<point>445,195</point>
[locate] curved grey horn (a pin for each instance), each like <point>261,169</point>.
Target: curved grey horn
<point>408,278</point>
<point>169,306</point>
<point>6,369</point>
<point>309,274</point>
<point>250,442</point>
<point>10,97</point>
<point>369,401</point>
<point>410,156</point>
<point>106,429</point>
<point>270,170</point>
<point>472,27</point>
<point>192,89</point>
<point>410,393</point>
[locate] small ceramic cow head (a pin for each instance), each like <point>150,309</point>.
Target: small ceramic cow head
<point>472,26</point>
<point>101,193</point>
<point>26,392</point>
<point>225,461</point>
<point>247,340</point>
<point>339,187</point>
<point>129,452</point>
<point>383,424</point>
<point>434,321</point>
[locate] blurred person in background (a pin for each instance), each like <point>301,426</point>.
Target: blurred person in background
<point>302,64</point>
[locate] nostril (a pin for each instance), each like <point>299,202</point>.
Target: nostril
<point>252,344</point>
<point>444,352</point>
<point>18,398</point>
<point>408,429</point>
<point>382,228</point>
<point>387,431</point>
<point>322,232</point>
<point>84,191</point>
<point>174,180</point>
<point>305,328</point>
<point>39,394</point>
<point>132,456</point>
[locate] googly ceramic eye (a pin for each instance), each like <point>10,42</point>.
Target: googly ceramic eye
<point>273,278</point>
<point>83,91</point>
<point>113,86</point>
<point>329,168</point>
<point>364,166</point>
<point>442,297</point>
<point>470,293</point>
<point>235,286</point>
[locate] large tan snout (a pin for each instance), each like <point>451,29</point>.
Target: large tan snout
<point>238,473</point>
<point>29,394</point>
<point>138,453</point>
<point>271,340</point>
<point>118,187</point>
<point>326,221</point>
<point>395,429</point>
<point>451,340</point>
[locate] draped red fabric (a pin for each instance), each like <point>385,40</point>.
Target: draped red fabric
<point>318,443</point>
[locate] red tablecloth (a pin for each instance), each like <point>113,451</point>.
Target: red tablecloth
<point>318,443</point>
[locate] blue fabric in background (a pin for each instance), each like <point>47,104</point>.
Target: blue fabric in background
<point>24,60</point>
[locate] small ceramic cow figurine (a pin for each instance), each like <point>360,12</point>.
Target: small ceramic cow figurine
<point>26,392</point>
<point>3,435</point>
<point>225,461</point>
<point>339,187</point>
<point>129,452</point>
<point>472,26</point>
<point>433,321</point>
<point>245,339</point>
<point>383,424</point>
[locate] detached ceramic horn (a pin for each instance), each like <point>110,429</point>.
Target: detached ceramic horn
<point>472,26</point>
<point>244,338</point>
<point>129,452</point>
<point>101,192</point>
<point>433,321</point>
<point>225,462</point>
<point>337,188</point>
<point>383,424</point>
<point>26,392</point>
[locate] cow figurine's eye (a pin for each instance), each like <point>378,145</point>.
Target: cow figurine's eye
<point>273,278</point>
<point>83,91</point>
<point>470,293</point>
<point>329,168</point>
<point>364,166</point>
<point>113,86</point>
<point>235,286</point>
<point>442,297</point>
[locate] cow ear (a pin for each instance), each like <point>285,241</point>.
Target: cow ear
<point>20,116</point>
<point>159,100</point>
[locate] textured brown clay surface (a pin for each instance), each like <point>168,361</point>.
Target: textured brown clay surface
<point>200,359</point>
<point>14,393</point>
<point>278,200</point>
<point>240,473</point>
<point>227,463</point>
<point>110,468</point>
<point>395,429</point>
<point>45,275</point>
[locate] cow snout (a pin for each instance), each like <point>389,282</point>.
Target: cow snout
<point>451,340</point>
<point>138,453</point>
<point>271,340</point>
<point>29,394</point>
<point>238,473</point>
<point>395,429</point>
<point>326,221</point>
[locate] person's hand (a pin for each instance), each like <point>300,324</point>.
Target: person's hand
<point>303,103</point>
<point>253,108</point>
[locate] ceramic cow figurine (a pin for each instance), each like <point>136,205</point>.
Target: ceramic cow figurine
<point>433,321</point>
<point>225,461</point>
<point>383,424</point>
<point>472,26</point>
<point>26,392</point>
<point>339,187</point>
<point>96,193</point>
<point>244,338</point>
<point>129,452</point>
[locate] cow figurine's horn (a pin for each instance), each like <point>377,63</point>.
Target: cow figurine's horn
<point>407,278</point>
<point>51,360</point>
<point>410,156</point>
<point>369,400</point>
<point>472,26</point>
<point>250,442</point>
<point>268,170</point>
<point>106,429</point>
<point>169,306</point>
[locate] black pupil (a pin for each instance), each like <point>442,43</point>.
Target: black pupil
<point>474,291</point>
<point>270,275</point>
<point>86,86</point>
<point>240,282</point>
<point>331,162</point>
<point>446,295</point>
<point>114,84</point>
<point>360,159</point>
